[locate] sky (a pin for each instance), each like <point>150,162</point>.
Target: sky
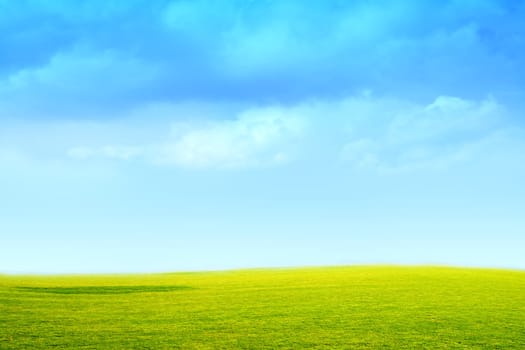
<point>146,136</point>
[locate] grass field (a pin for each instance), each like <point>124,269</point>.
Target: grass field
<point>323,308</point>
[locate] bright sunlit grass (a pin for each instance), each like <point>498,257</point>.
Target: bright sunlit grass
<point>336,307</point>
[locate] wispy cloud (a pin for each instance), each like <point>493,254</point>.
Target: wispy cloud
<point>256,137</point>
<point>415,135</point>
<point>361,131</point>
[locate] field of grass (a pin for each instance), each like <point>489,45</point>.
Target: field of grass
<point>322,308</point>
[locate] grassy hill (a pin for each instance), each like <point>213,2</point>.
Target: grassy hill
<point>322,308</point>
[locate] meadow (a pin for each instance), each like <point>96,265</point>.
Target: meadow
<point>361,307</point>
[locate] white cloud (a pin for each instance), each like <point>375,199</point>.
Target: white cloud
<point>416,135</point>
<point>443,117</point>
<point>257,137</point>
<point>360,131</point>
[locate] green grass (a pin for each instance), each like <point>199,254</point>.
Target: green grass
<point>322,308</point>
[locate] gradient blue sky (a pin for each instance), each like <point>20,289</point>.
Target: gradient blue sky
<point>185,135</point>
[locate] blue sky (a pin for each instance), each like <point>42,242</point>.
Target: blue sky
<point>188,135</point>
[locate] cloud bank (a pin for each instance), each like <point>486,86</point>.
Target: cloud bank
<point>91,57</point>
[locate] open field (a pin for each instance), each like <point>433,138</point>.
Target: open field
<point>324,308</point>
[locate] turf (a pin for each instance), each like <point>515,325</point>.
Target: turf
<point>322,308</point>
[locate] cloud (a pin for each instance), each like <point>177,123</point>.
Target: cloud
<point>415,135</point>
<point>67,58</point>
<point>89,79</point>
<point>256,137</point>
<point>361,131</point>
